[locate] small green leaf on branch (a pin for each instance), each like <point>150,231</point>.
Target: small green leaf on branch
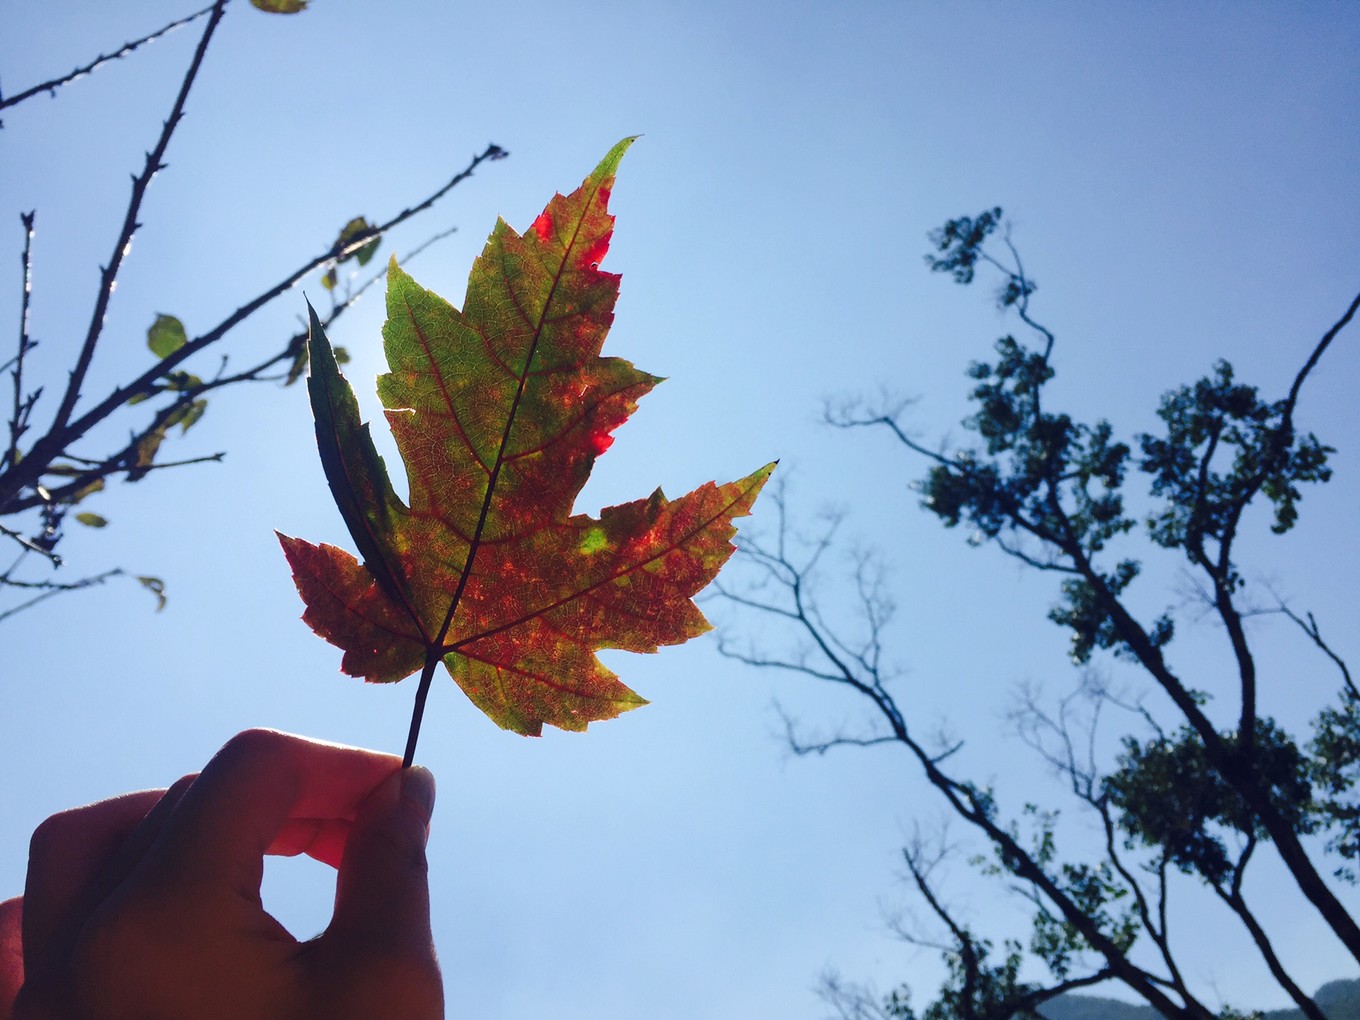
<point>157,588</point>
<point>351,232</point>
<point>166,336</point>
<point>279,6</point>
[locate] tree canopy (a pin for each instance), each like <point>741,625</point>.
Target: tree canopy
<point>1190,791</point>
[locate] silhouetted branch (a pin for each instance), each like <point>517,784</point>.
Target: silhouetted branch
<point>980,995</point>
<point>51,474</point>
<point>52,85</point>
<point>1232,896</point>
<point>1033,725</point>
<point>126,461</point>
<point>1313,359</point>
<point>295,347</point>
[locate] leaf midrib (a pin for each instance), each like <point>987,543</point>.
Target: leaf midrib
<point>436,647</point>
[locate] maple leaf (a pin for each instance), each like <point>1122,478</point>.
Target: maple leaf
<point>499,411</point>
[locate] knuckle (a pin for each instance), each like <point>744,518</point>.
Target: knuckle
<point>256,740</point>
<point>254,747</point>
<point>53,835</point>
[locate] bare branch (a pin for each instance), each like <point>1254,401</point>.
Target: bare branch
<point>52,85</point>
<point>760,662</point>
<point>801,748</point>
<point>845,420</point>
<point>1315,635</point>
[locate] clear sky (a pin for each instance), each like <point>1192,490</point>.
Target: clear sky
<point>1181,180</point>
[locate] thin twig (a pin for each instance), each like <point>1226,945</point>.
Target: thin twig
<point>51,588</point>
<point>1315,634</point>
<point>80,72</point>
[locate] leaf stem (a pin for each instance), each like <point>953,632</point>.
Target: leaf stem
<point>432,658</point>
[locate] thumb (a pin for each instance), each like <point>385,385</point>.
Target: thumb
<point>382,896</point>
<point>11,953</point>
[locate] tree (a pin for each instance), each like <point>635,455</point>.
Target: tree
<point>47,471</point>
<point>1191,791</point>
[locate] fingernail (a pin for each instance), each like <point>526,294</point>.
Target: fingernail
<point>417,789</point>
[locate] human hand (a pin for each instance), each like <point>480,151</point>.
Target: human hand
<point>147,906</point>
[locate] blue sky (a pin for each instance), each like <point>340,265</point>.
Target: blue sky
<point>1181,183</point>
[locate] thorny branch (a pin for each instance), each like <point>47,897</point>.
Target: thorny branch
<point>109,274</point>
<point>23,402</point>
<point>53,84</point>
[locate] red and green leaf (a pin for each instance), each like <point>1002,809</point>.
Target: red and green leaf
<point>499,410</point>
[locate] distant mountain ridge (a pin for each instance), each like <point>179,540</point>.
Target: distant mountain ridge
<point>1339,1000</point>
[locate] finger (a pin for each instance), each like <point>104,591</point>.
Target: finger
<point>320,838</point>
<point>65,858</point>
<point>11,953</point>
<point>243,801</point>
<point>139,841</point>
<point>382,896</point>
